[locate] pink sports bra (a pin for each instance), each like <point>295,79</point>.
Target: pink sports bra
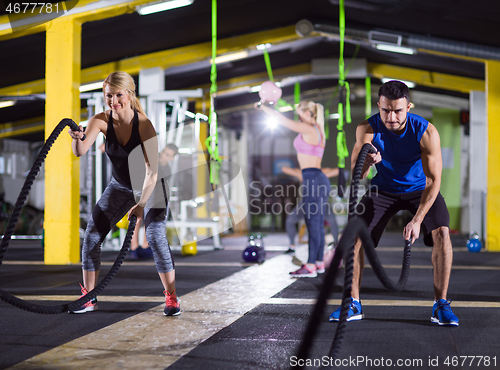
<point>304,148</point>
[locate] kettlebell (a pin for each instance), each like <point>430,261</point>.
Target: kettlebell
<point>474,245</point>
<point>254,254</point>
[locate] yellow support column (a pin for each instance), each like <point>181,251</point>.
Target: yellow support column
<point>62,167</point>
<point>493,181</point>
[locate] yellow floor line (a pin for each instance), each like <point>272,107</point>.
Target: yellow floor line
<point>101,298</point>
<point>291,301</point>
<point>149,340</point>
<point>377,302</point>
<point>143,263</point>
<point>486,268</point>
<point>243,264</point>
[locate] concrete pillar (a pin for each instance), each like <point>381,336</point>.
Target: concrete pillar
<point>477,162</point>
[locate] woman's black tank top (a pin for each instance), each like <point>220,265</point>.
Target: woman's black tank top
<point>118,154</point>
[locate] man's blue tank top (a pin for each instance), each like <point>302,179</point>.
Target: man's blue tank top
<point>401,168</point>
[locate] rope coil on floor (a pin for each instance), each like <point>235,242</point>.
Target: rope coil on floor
<point>22,304</point>
<point>355,227</point>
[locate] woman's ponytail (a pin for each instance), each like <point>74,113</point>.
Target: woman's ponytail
<point>320,115</point>
<point>136,105</point>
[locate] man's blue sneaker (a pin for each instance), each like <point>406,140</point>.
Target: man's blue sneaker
<point>355,312</point>
<point>144,253</point>
<point>442,314</point>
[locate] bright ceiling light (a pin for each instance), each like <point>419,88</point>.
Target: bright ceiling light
<point>92,86</point>
<point>7,103</point>
<point>230,57</point>
<point>272,123</point>
<point>395,49</point>
<point>162,6</point>
<point>263,46</point>
<point>407,83</point>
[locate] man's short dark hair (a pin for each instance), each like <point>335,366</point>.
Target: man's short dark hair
<point>394,90</point>
<point>173,148</point>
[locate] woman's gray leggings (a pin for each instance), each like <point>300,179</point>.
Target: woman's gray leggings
<point>114,203</point>
<point>298,213</point>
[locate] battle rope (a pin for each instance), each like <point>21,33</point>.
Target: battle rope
<point>22,304</point>
<point>354,228</point>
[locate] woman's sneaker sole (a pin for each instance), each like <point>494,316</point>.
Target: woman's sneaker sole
<point>352,318</point>
<point>172,314</point>
<point>435,320</point>
<point>86,309</point>
<point>310,275</point>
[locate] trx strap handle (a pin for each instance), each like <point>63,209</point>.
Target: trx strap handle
<point>22,304</point>
<point>356,227</point>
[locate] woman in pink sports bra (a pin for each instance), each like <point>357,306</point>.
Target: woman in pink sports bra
<point>310,146</point>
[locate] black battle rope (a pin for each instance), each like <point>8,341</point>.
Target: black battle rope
<point>22,304</point>
<point>356,227</point>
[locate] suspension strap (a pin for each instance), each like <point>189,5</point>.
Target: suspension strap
<point>368,113</point>
<point>342,151</point>
<point>296,99</point>
<point>212,140</point>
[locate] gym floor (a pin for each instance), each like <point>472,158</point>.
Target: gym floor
<point>237,315</point>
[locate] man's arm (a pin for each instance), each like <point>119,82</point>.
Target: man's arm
<point>364,135</point>
<point>295,172</point>
<point>330,172</point>
<point>433,165</point>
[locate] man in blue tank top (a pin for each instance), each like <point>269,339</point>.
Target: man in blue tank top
<point>409,166</point>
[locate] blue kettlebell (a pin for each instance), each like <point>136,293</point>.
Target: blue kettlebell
<point>474,245</point>
<point>254,254</point>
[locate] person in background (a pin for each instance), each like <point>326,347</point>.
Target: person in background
<point>310,146</point>
<point>144,252</point>
<point>297,214</point>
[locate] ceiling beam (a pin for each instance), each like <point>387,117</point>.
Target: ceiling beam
<point>426,78</point>
<point>239,85</point>
<point>165,59</point>
<point>37,20</point>
<point>29,126</point>
<point>202,52</point>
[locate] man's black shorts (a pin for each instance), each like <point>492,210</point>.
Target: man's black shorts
<point>377,207</point>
